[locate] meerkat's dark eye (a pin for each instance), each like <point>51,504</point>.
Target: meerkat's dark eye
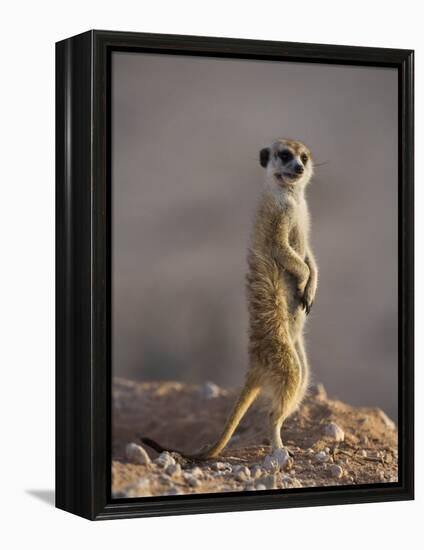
<point>285,156</point>
<point>304,158</point>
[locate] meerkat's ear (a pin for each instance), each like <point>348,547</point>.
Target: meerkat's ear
<point>264,157</point>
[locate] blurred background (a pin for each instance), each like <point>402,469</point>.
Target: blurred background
<point>186,133</point>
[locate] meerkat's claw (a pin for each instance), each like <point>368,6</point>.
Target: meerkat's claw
<point>306,306</point>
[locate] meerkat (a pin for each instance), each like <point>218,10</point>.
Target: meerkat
<point>281,285</point>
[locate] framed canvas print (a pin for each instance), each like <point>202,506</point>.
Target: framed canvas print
<point>234,274</point>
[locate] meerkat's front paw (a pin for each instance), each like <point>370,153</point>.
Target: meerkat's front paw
<point>306,305</point>
<point>307,300</point>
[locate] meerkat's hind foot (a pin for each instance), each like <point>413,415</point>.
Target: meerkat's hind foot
<point>284,449</point>
<point>280,448</point>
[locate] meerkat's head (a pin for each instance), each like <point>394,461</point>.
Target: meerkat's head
<point>288,163</point>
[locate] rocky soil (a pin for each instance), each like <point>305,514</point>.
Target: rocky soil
<point>327,443</point>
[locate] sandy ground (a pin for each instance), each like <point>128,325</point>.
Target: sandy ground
<point>360,449</point>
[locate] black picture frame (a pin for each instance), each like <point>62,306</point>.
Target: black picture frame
<point>83,255</point>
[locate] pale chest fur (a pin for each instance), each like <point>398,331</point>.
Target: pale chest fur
<point>271,215</point>
<point>299,226</point>
<point>275,220</point>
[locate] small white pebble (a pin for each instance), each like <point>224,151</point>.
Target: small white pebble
<point>209,390</point>
<point>321,457</point>
<point>193,482</point>
<point>335,471</point>
<point>196,471</point>
<point>173,470</point>
<point>136,454</point>
<point>164,460</point>
<point>334,431</point>
<point>261,487</point>
<point>219,466</point>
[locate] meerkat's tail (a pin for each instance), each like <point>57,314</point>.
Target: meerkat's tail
<point>246,398</point>
<point>160,448</point>
<point>155,446</point>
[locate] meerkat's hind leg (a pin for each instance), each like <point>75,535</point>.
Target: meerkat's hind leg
<point>276,420</point>
<point>284,396</point>
<point>281,410</point>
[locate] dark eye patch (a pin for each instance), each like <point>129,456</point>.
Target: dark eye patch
<point>285,156</point>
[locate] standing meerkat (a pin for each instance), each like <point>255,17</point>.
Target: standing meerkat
<point>281,285</point>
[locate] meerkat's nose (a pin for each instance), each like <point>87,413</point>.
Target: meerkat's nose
<point>299,169</point>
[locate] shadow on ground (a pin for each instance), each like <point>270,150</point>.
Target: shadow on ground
<point>45,495</point>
